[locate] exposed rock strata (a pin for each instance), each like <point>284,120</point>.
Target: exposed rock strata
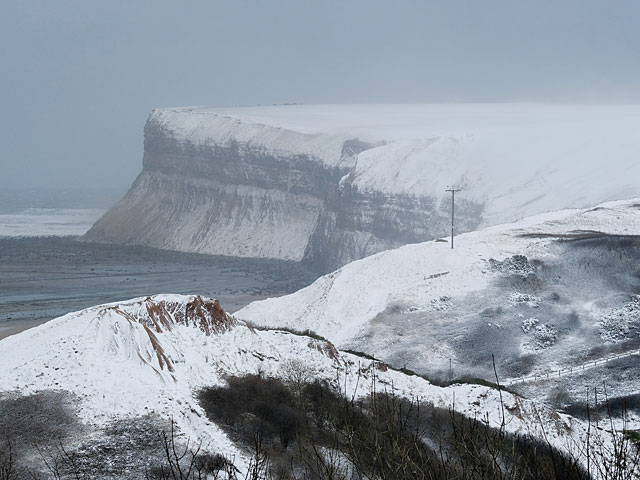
<point>330,184</point>
<point>249,200</point>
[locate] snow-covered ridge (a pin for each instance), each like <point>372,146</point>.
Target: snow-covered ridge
<point>330,184</point>
<point>425,304</point>
<point>151,355</point>
<point>156,317</point>
<point>203,127</point>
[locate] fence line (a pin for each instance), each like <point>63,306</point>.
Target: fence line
<point>549,374</point>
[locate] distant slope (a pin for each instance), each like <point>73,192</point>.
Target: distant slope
<point>541,294</point>
<point>328,184</point>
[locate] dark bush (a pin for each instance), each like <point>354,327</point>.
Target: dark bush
<point>37,418</point>
<point>360,354</point>
<point>607,407</point>
<point>521,365</point>
<point>380,436</point>
<point>254,405</point>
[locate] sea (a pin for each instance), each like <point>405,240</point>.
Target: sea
<point>47,270</point>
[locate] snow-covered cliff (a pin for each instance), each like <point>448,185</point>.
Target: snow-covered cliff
<point>330,184</point>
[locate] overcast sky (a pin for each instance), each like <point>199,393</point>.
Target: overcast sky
<point>78,78</point>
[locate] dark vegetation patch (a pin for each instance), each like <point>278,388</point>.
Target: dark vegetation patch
<point>592,260</point>
<point>484,338</point>
<point>582,236</point>
<point>633,436</point>
<point>300,333</point>
<point>598,352</point>
<point>438,381</point>
<point>520,366</point>
<point>125,449</point>
<point>40,417</point>
<point>616,407</point>
<point>316,432</point>
<point>361,354</point>
<point>41,439</point>
<point>469,380</point>
<point>492,312</point>
<point>33,424</point>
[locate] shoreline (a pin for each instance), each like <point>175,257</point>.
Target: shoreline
<point>10,328</point>
<point>42,278</point>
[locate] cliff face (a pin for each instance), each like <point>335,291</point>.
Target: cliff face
<point>238,198</point>
<point>330,184</point>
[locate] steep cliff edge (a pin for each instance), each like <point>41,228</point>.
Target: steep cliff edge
<point>330,184</point>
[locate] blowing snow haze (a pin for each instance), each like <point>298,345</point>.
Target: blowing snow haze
<point>80,78</point>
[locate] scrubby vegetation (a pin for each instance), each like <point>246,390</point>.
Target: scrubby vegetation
<point>318,433</point>
<point>41,438</point>
<point>294,428</point>
<point>440,382</point>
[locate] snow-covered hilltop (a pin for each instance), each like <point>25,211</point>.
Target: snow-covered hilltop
<point>150,356</point>
<point>330,184</point>
<point>546,293</point>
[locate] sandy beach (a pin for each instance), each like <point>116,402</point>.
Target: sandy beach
<point>14,327</point>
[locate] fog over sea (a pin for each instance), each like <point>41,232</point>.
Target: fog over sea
<point>57,212</point>
<point>46,271</point>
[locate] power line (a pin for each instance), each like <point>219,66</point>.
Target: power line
<point>453,202</point>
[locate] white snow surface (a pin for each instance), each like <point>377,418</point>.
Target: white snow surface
<point>517,159</point>
<point>140,356</point>
<point>341,304</point>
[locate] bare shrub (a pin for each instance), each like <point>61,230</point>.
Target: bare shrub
<point>8,469</point>
<point>37,418</point>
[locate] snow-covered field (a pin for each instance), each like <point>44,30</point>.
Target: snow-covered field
<point>40,222</point>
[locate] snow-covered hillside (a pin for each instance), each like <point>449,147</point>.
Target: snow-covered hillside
<point>152,355</point>
<point>332,183</point>
<point>541,294</point>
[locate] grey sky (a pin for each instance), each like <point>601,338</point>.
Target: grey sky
<point>80,77</point>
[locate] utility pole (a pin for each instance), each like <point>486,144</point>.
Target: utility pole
<point>453,202</point>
